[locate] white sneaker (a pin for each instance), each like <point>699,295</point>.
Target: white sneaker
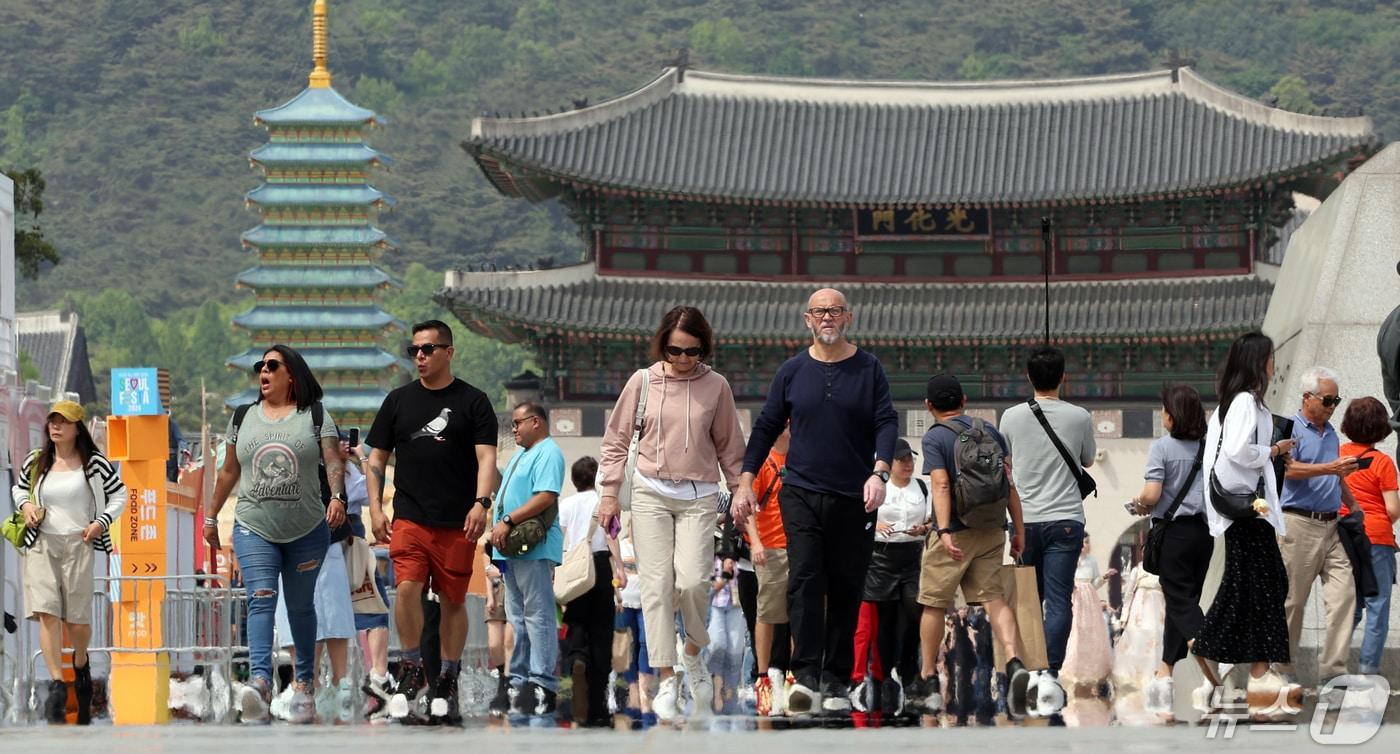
<point>325,701</point>
<point>1159,696</point>
<point>1049,695</point>
<point>664,704</point>
<point>702,688</point>
<point>1204,698</point>
<point>802,700</point>
<point>280,703</point>
<point>777,681</point>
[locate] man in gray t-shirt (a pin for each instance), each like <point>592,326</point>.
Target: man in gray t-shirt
<point>1050,501</point>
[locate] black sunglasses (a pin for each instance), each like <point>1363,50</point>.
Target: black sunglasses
<point>428,349</point>
<point>271,364</point>
<point>677,351</point>
<point>1330,401</point>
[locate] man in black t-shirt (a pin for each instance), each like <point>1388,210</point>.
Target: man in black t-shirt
<point>443,434</point>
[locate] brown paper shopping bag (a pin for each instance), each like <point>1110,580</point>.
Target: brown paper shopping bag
<point>1018,585</point>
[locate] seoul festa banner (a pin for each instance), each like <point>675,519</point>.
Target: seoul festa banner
<point>135,392</point>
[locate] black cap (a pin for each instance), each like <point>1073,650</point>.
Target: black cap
<point>944,388</point>
<point>902,449</point>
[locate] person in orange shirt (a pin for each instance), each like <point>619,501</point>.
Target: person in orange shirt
<point>1374,486</point>
<point>768,551</point>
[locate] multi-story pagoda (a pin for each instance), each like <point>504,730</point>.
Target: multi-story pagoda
<point>924,203</point>
<point>317,284</point>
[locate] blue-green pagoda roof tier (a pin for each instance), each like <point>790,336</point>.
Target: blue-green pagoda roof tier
<point>290,276</point>
<point>339,401</point>
<point>316,318</point>
<point>328,359</point>
<point>318,107</point>
<point>317,195</point>
<point>317,235</point>
<point>280,153</point>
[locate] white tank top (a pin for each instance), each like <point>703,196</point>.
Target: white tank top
<point>67,500</point>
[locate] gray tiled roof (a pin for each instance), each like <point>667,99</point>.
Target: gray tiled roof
<point>577,299</point>
<point>57,345</point>
<point>718,136</point>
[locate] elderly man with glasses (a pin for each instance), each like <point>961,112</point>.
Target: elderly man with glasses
<point>1312,496</point>
<point>843,430</point>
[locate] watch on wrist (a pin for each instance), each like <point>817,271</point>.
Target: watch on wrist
<point>508,521</point>
<point>884,475</point>
<point>484,502</point>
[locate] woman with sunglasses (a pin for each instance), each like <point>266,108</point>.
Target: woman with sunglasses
<point>690,430</point>
<point>69,494</point>
<point>281,527</point>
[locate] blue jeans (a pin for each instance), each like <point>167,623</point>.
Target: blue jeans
<point>297,562</point>
<point>728,642</point>
<point>530,610</point>
<point>1377,609</point>
<point>630,619</point>
<point>1053,547</point>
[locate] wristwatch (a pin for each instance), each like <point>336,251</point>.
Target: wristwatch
<point>335,496</point>
<point>506,519</point>
<point>884,475</point>
<point>484,502</point>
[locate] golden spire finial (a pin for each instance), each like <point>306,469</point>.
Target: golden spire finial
<point>320,75</point>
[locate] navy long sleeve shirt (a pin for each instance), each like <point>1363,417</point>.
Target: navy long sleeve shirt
<point>842,421</point>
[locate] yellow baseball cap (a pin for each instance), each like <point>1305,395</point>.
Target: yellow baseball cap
<point>69,410</point>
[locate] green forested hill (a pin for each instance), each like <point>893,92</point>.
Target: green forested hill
<point>139,112</point>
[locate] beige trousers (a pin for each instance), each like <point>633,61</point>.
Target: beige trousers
<point>1313,549</point>
<point>675,545</point>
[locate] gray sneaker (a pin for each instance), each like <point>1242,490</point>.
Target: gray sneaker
<point>302,709</point>
<point>253,701</point>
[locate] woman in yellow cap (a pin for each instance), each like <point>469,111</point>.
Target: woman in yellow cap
<point>69,494</point>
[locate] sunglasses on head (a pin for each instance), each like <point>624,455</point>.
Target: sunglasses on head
<point>677,351</point>
<point>271,364</point>
<point>1330,401</point>
<point>428,349</point>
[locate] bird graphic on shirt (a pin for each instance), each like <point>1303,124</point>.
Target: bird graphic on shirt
<point>433,428</point>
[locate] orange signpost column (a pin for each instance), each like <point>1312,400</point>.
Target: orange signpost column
<point>140,684</point>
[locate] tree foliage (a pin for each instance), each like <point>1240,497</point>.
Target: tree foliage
<point>32,251</point>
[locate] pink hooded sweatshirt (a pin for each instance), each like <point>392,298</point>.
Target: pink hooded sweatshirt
<point>690,431</point>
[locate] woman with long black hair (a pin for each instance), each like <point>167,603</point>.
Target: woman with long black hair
<point>1246,623</point>
<point>69,494</point>
<point>281,527</point>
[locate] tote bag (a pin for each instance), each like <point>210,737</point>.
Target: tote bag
<point>576,574</point>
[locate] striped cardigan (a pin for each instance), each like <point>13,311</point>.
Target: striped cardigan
<point>105,484</point>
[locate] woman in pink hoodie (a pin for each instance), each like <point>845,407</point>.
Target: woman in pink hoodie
<point>689,431</point>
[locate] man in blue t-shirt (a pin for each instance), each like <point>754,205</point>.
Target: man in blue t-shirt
<point>843,430</point>
<point>959,556</point>
<point>530,487</point>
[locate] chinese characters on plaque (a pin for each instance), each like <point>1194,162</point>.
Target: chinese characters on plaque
<point>924,222</point>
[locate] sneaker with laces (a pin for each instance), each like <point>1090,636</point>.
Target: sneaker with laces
<point>56,704</point>
<point>1159,695</point>
<point>301,710</point>
<point>763,696</point>
<point>409,704</point>
<point>665,702</point>
<point>835,698</point>
<point>1049,695</point>
<point>535,699</point>
<point>921,696</point>
<point>445,709</point>
<point>702,687</point>
<point>254,700</point>
<point>325,703</point>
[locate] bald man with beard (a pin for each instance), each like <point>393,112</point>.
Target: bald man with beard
<point>843,430</point>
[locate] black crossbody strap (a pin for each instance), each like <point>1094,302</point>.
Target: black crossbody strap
<point>1190,479</point>
<point>1064,452</point>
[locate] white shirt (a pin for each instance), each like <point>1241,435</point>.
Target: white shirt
<point>67,501</point>
<point>684,489</point>
<point>576,515</point>
<point>904,508</point>
<point>1244,456</point>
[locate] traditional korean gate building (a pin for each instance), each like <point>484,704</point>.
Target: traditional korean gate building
<point>923,202</point>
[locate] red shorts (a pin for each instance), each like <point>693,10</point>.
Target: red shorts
<point>437,557</point>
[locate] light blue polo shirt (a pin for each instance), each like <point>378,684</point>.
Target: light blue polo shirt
<point>540,468</point>
<point>1319,494</point>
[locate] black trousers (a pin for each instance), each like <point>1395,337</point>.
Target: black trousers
<point>829,542</point>
<point>430,641</point>
<point>780,655</point>
<point>589,638</point>
<point>1186,551</point>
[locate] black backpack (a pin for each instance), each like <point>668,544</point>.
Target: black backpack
<point>982,490</point>
<point>318,419</point>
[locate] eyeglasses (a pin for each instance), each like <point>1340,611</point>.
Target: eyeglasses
<point>428,349</point>
<point>1330,401</point>
<point>515,423</point>
<point>272,366</point>
<point>677,351</point>
<point>820,312</point>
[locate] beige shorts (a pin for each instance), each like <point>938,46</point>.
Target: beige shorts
<point>772,588</point>
<point>58,578</point>
<point>978,573</point>
<point>498,611</point>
